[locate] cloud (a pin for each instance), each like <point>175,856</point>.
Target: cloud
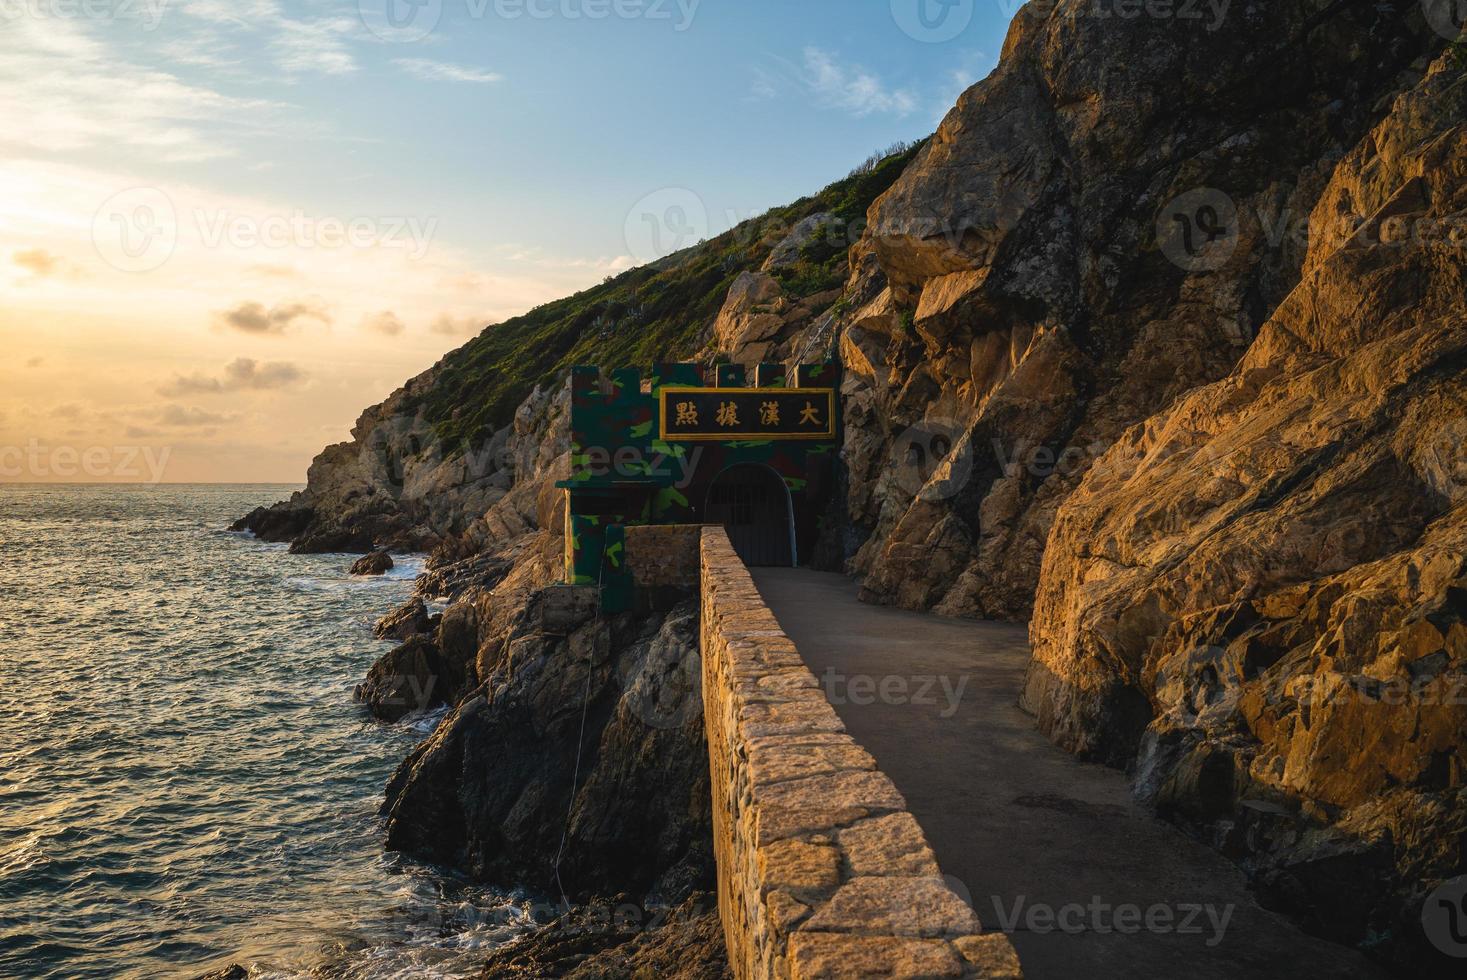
<point>385,322</point>
<point>62,91</point>
<point>241,374</point>
<point>452,326</point>
<point>274,271</point>
<point>852,88</point>
<point>38,262</point>
<point>442,71</point>
<point>189,418</point>
<point>315,45</point>
<point>831,85</point>
<point>254,318</point>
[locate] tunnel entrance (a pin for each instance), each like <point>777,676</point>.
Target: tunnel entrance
<point>752,502</point>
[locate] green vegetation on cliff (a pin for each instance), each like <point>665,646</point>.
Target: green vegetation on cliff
<point>654,313</point>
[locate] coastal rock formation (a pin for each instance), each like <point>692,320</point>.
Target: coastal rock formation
<point>1261,589</point>
<point>415,676</point>
<point>584,744</point>
<point>1026,286</point>
<point>619,938</point>
<point>760,322</point>
<point>376,563</point>
<point>233,972</point>
<point>405,622</point>
<point>400,485</point>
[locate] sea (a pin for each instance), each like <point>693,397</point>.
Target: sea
<point>185,781</point>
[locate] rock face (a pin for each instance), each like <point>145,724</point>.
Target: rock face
<point>1015,310</point>
<point>511,780</point>
<point>1258,594</point>
<point>760,322</point>
<point>376,563</point>
<point>398,485</point>
<point>615,939</point>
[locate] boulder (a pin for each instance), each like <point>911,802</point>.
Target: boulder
<point>416,676</point>
<point>407,621</point>
<point>376,563</point>
<point>232,972</point>
<point>753,314</point>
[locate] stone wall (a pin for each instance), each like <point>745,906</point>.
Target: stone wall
<point>822,872</point>
<point>663,556</point>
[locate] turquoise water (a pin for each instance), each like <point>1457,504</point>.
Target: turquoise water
<point>185,781</point>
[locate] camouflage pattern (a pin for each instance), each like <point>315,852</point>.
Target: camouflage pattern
<point>623,474</point>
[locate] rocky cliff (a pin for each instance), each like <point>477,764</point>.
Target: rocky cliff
<point>1156,343</point>
<point>1258,593</point>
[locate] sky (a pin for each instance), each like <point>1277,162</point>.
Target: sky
<point>226,228</point>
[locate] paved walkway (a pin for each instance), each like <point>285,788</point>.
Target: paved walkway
<point>1016,820</point>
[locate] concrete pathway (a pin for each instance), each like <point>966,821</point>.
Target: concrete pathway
<point>1024,828</point>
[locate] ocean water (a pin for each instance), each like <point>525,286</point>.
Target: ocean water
<point>185,781</point>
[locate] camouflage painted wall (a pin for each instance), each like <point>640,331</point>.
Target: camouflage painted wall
<point>624,473</point>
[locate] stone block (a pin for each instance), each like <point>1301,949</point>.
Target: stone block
<point>991,955</point>
<point>806,871</point>
<point>824,956</point>
<point>882,906</point>
<point>890,845</point>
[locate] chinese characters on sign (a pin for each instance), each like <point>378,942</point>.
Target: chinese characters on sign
<point>709,414</point>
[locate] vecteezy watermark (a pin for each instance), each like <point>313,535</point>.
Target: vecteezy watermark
<point>920,690</point>
<point>1199,231</point>
<point>146,13</point>
<point>933,21</point>
<point>405,21</point>
<point>1181,919</point>
<point>630,462</point>
<point>400,21</point>
<point>933,459</point>
<point>1042,462</point>
<point>300,230</point>
<point>665,221</point>
<point>1444,917</point>
<point>1209,14</point>
<point>137,230</point>
<point>1446,17</point>
<point>37,461</point>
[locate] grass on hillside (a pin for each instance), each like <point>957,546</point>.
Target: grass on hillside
<point>659,312</point>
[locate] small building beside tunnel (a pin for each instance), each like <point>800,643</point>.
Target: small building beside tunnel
<point>690,445</point>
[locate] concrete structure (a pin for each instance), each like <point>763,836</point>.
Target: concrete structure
<point>686,445</point>
<point>822,871</point>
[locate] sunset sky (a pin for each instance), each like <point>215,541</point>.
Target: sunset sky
<point>228,227</point>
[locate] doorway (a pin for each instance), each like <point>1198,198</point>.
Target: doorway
<point>753,504</point>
